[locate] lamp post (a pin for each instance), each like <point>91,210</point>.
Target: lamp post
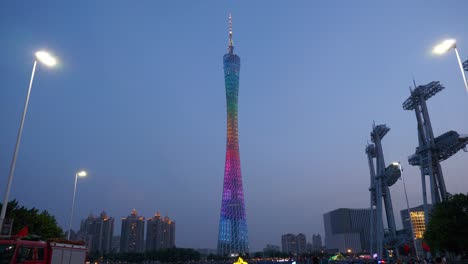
<point>445,46</point>
<point>78,174</point>
<point>50,61</point>
<point>408,208</point>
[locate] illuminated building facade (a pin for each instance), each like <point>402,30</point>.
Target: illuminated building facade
<point>419,227</point>
<point>233,234</point>
<point>417,220</point>
<point>132,234</point>
<point>97,232</point>
<point>160,233</point>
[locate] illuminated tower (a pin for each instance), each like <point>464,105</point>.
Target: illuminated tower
<point>233,235</point>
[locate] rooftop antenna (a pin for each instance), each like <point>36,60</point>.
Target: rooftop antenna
<point>414,82</point>
<point>230,34</point>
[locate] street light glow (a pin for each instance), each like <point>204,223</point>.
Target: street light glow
<point>445,46</point>
<point>46,58</point>
<point>82,174</point>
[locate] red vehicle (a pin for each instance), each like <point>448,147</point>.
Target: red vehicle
<point>17,251</point>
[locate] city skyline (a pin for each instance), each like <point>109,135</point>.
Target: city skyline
<point>137,100</point>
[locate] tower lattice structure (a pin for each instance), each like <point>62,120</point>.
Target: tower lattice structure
<point>233,233</point>
<point>381,178</point>
<point>431,151</point>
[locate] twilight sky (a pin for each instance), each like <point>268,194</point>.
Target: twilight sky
<point>139,101</point>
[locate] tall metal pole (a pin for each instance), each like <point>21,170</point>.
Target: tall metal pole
<point>72,208</point>
<point>370,150</point>
<point>409,213</point>
<point>461,68</point>
<point>15,153</point>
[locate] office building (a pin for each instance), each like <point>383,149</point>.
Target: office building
<point>348,229</point>
<point>417,220</point>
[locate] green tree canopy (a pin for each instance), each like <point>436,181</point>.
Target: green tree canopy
<point>448,225</point>
<point>42,223</point>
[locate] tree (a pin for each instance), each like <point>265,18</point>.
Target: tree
<point>42,223</point>
<point>447,227</point>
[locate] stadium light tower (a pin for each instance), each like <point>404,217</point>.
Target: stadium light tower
<point>444,47</point>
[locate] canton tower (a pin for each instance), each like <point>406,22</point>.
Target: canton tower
<point>233,234</point>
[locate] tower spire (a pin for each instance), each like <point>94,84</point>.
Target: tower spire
<point>231,47</point>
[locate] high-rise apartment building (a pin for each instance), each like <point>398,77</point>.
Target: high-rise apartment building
<point>301,243</point>
<point>293,244</point>
<point>160,233</point>
<point>348,229</point>
<point>233,234</point>
<point>97,232</point>
<point>316,242</point>
<point>132,234</point>
<point>288,243</point>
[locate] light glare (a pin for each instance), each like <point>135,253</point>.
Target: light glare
<point>445,46</point>
<point>82,173</point>
<point>46,58</point>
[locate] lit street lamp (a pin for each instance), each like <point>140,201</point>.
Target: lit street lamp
<point>444,47</point>
<point>78,174</point>
<point>408,208</point>
<point>50,61</point>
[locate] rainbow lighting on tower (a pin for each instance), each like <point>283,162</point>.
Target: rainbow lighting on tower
<point>233,234</point>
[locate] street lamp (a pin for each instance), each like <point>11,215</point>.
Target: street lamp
<point>408,208</point>
<point>48,60</point>
<point>444,47</point>
<point>78,174</point>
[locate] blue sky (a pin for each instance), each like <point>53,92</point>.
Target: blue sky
<point>138,99</point>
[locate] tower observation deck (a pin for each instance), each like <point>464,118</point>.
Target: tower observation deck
<point>233,234</point>
<point>431,150</point>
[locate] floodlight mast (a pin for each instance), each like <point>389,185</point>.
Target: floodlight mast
<point>381,179</point>
<point>431,151</point>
